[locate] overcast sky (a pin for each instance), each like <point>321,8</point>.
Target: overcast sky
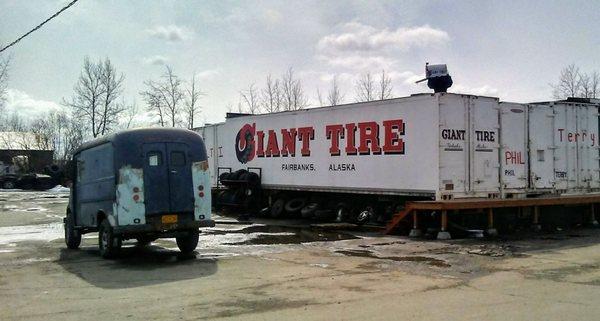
<point>508,49</point>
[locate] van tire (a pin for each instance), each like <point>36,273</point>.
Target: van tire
<point>188,243</point>
<point>72,236</point>
<point>108,244</point>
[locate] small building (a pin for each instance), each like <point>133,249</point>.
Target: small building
<point>38,152</point>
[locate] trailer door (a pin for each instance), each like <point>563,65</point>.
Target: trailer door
<point>541,147</point>
<point>180,178</point>
<point>484,145</point>
<point>156,179</point>
<point>513,149</point>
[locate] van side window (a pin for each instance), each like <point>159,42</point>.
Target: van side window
<point>154,158</point>
<point>177,158</point>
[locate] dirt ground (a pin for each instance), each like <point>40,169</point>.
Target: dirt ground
<point>261,272</point>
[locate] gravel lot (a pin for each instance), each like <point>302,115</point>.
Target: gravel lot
<point>265,272</point>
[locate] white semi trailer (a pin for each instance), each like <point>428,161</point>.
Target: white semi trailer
<point>429,146</point>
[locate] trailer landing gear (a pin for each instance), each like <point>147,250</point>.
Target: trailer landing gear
<point>444,234</point>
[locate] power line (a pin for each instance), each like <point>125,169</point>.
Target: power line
<point>39,26</point>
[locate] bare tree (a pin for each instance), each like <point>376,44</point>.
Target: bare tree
<point>365,88</point>
<point>335,96</point>
<point>249,100</point>
<point>164,98</point>
<point>569,83</point>
<point>294,97</point>
<point>320,98</point>
<point>112,82</point>
<point>95,99</point>
<point>192,105</point>
<point>589,85</point>
<point>385,86</point>
<point>595,84</point>
<point>271,95</point>
<point>131,112</point>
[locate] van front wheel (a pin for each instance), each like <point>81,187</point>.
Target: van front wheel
<point>108,243</point>
<point>188,243</point>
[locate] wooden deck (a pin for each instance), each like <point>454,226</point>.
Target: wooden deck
<point>488,204</point>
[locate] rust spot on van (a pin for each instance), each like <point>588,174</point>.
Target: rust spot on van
<point>202,166</point>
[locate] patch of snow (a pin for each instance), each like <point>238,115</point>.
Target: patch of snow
<point>59,189</point>
<point>40,232</point>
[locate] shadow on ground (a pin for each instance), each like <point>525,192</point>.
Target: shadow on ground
<point>135,266</point>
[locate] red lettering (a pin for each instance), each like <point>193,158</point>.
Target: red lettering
<point>260,144</point>
<point>306,135</point>
<point>288,145</point>
<point>369,135</point>
<point>334,133</point>
<point>272,147</point>
<point>393,144</point>
<point>350,139</point>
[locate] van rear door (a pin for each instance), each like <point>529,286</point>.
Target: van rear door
<point>156,179</point>
<point>180,178</point>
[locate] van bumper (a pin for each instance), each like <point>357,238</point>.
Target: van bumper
<point>162,228</point>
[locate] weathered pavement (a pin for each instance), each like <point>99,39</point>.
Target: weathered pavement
<point>242,272</point>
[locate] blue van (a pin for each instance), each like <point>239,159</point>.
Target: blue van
<point>140,184</point>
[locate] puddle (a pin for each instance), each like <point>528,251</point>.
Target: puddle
<point>420,259</point>
<point>267,235</point>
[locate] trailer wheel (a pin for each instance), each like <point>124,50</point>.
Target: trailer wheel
<point>188,243</point>
<point>341,213</point>
<point>8,184</point>
<point>108,243</point>
<point>308,211</point>
<point>277,208</point>
<point>295,205</point>
<point>72,236</point>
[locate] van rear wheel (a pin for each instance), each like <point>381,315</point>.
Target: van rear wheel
<point>188,243</point>
<point>108,244</point>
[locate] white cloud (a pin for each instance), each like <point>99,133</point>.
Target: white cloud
<point>485,90</point>
<point>207,74</point>
<point>364,38</point>
<point>19,102</point>
<point>155,60</point>
<point>170,33</point>
<point>358,62</point>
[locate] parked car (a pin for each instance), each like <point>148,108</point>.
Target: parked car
<point>140,184</point>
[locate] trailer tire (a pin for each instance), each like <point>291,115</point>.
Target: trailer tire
<point>294,205</point>
<point>9,184</point>
<point>253,179</point>
<point>277,208</point>
<point>341,213</point>
<point>309,210</point>
<point>72,236</point>
<point>188,243</point>
<point>224,177</point>
<point>108,243</point>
